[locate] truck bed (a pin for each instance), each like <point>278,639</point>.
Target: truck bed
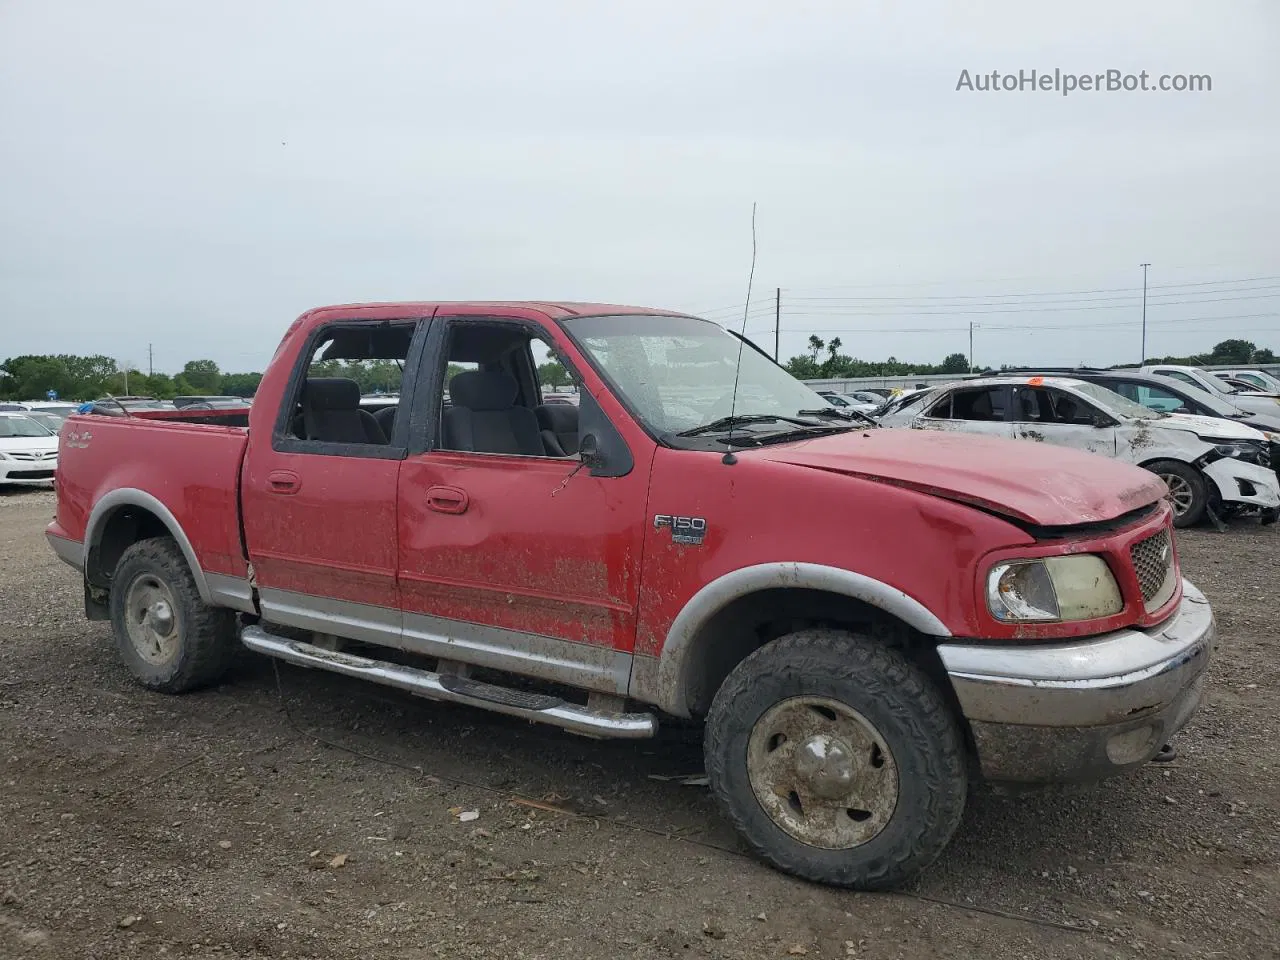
<point>169,461</point>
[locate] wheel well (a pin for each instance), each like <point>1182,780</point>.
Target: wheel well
<point>122,529</point>
<point>743,626</point>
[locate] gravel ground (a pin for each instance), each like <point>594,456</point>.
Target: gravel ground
<point>329,824</point>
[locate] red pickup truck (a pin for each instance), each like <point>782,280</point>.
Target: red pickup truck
<point>864,620</point>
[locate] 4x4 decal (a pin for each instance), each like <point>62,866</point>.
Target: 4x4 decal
<point>689,530</point>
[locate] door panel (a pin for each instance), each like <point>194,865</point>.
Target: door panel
<point>1043,415</point>
<point>319,509</point>
<point>536,553</point>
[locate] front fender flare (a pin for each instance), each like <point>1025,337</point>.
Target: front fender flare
<point>133,497</point>
<point>673,662</point>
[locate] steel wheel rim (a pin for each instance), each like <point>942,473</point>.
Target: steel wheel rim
<point>151,619</point>
<point>822,772</point>
<point>1180,492</point>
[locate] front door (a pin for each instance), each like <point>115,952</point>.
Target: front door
<point>319,499</point>
<point>511,557</point>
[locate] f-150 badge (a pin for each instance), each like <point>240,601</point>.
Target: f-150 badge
<point>683,529</point>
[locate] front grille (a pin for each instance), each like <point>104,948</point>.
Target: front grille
<point>33,457</point>
<point>1153,563</point>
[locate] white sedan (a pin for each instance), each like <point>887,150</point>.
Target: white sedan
<point>1205,462</point>
<point>28,450</point>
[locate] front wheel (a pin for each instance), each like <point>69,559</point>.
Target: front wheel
<point>837,760</point>
<point>1188,490</point>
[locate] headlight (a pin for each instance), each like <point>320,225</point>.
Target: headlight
<point>1056,588</point>
<point>1247,450</point>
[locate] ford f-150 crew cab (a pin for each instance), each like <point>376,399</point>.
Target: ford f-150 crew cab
<point>864,620</point>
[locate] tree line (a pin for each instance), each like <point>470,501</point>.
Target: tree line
<point>824,361</point>
<point>74,377</point>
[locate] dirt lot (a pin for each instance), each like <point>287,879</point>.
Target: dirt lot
<point>223,825</point>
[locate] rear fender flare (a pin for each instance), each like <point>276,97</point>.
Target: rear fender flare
<point>132,497</point>
<point>673,663</point>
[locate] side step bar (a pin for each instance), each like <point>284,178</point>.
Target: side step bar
<point>434,686</point>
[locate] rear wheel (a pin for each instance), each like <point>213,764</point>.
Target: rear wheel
<point>170,639</point>
<point>1188,490</point>
<point>837,760</point>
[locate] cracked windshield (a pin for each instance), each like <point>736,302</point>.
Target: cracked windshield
<point>678,373</point>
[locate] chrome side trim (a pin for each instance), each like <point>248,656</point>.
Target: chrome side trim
<point>424,683</point>
<point>1098,680</point>
<point>583,665</point>
<point>344,618</point>
<point>68,551</point>
<point>719,593</point>
<point>132,497</point>
<point>233,592</point>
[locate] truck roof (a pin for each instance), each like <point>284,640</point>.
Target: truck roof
<point>554,310</point>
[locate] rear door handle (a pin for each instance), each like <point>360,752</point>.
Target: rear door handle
<point>447,500</point>
<point>283,481</point>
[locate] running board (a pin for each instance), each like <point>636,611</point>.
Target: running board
<point>538,707</point>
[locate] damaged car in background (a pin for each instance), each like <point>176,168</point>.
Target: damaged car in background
<point>1209,465</point>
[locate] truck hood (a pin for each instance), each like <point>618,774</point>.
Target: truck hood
<point>1035,484</point>
<point>1208,427</point>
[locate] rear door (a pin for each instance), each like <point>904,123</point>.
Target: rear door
<point>982,410</point>
<point>319,495</point>
<point>1049,415</point>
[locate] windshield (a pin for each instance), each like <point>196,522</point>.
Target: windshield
<point>677,373</point>
<point>1214,402</point>
<point>22,427</point>
<point>1113,402</point>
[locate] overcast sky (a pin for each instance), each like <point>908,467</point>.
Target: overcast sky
<point>196,175</point>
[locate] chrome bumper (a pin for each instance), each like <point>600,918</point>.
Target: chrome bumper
<point>1085,709</point>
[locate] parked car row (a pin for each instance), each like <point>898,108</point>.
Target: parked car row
<point>1215,444</point>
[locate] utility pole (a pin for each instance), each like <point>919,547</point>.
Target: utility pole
<point>777,321</point>
<point>1144,312</point>
<point>971,346</point>
<point>151,367</point>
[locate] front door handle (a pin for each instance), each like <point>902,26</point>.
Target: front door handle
<point>447,500</point>
<point>283,481</point>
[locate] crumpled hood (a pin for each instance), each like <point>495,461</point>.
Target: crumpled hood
<point>1209,427</point>
<point>1033,483</point>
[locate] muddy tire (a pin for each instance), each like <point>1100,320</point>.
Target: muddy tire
<point>169,639</point>
<point>1188,490</point>
<point>837,760</point>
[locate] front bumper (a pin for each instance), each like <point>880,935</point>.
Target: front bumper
<point>27,472</point>
<point>1083,710</point>
<point>1248,483</point>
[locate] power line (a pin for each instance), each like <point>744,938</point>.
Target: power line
<point>1003,299</point>
<point>1037,326</point>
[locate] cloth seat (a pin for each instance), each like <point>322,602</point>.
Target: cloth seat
<point>483,416</point>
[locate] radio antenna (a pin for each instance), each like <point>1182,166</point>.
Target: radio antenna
<point>746,309</point>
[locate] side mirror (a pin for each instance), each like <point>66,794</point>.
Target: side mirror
<point>589,451</point>
<point>1102,420</point>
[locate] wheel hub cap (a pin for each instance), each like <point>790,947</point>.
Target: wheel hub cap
<point>825,766</point>
<point>822,772</point>
<point>151,620</point>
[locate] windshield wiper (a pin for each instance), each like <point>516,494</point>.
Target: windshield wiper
<point>741,419</point>
<point>843,415</point>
